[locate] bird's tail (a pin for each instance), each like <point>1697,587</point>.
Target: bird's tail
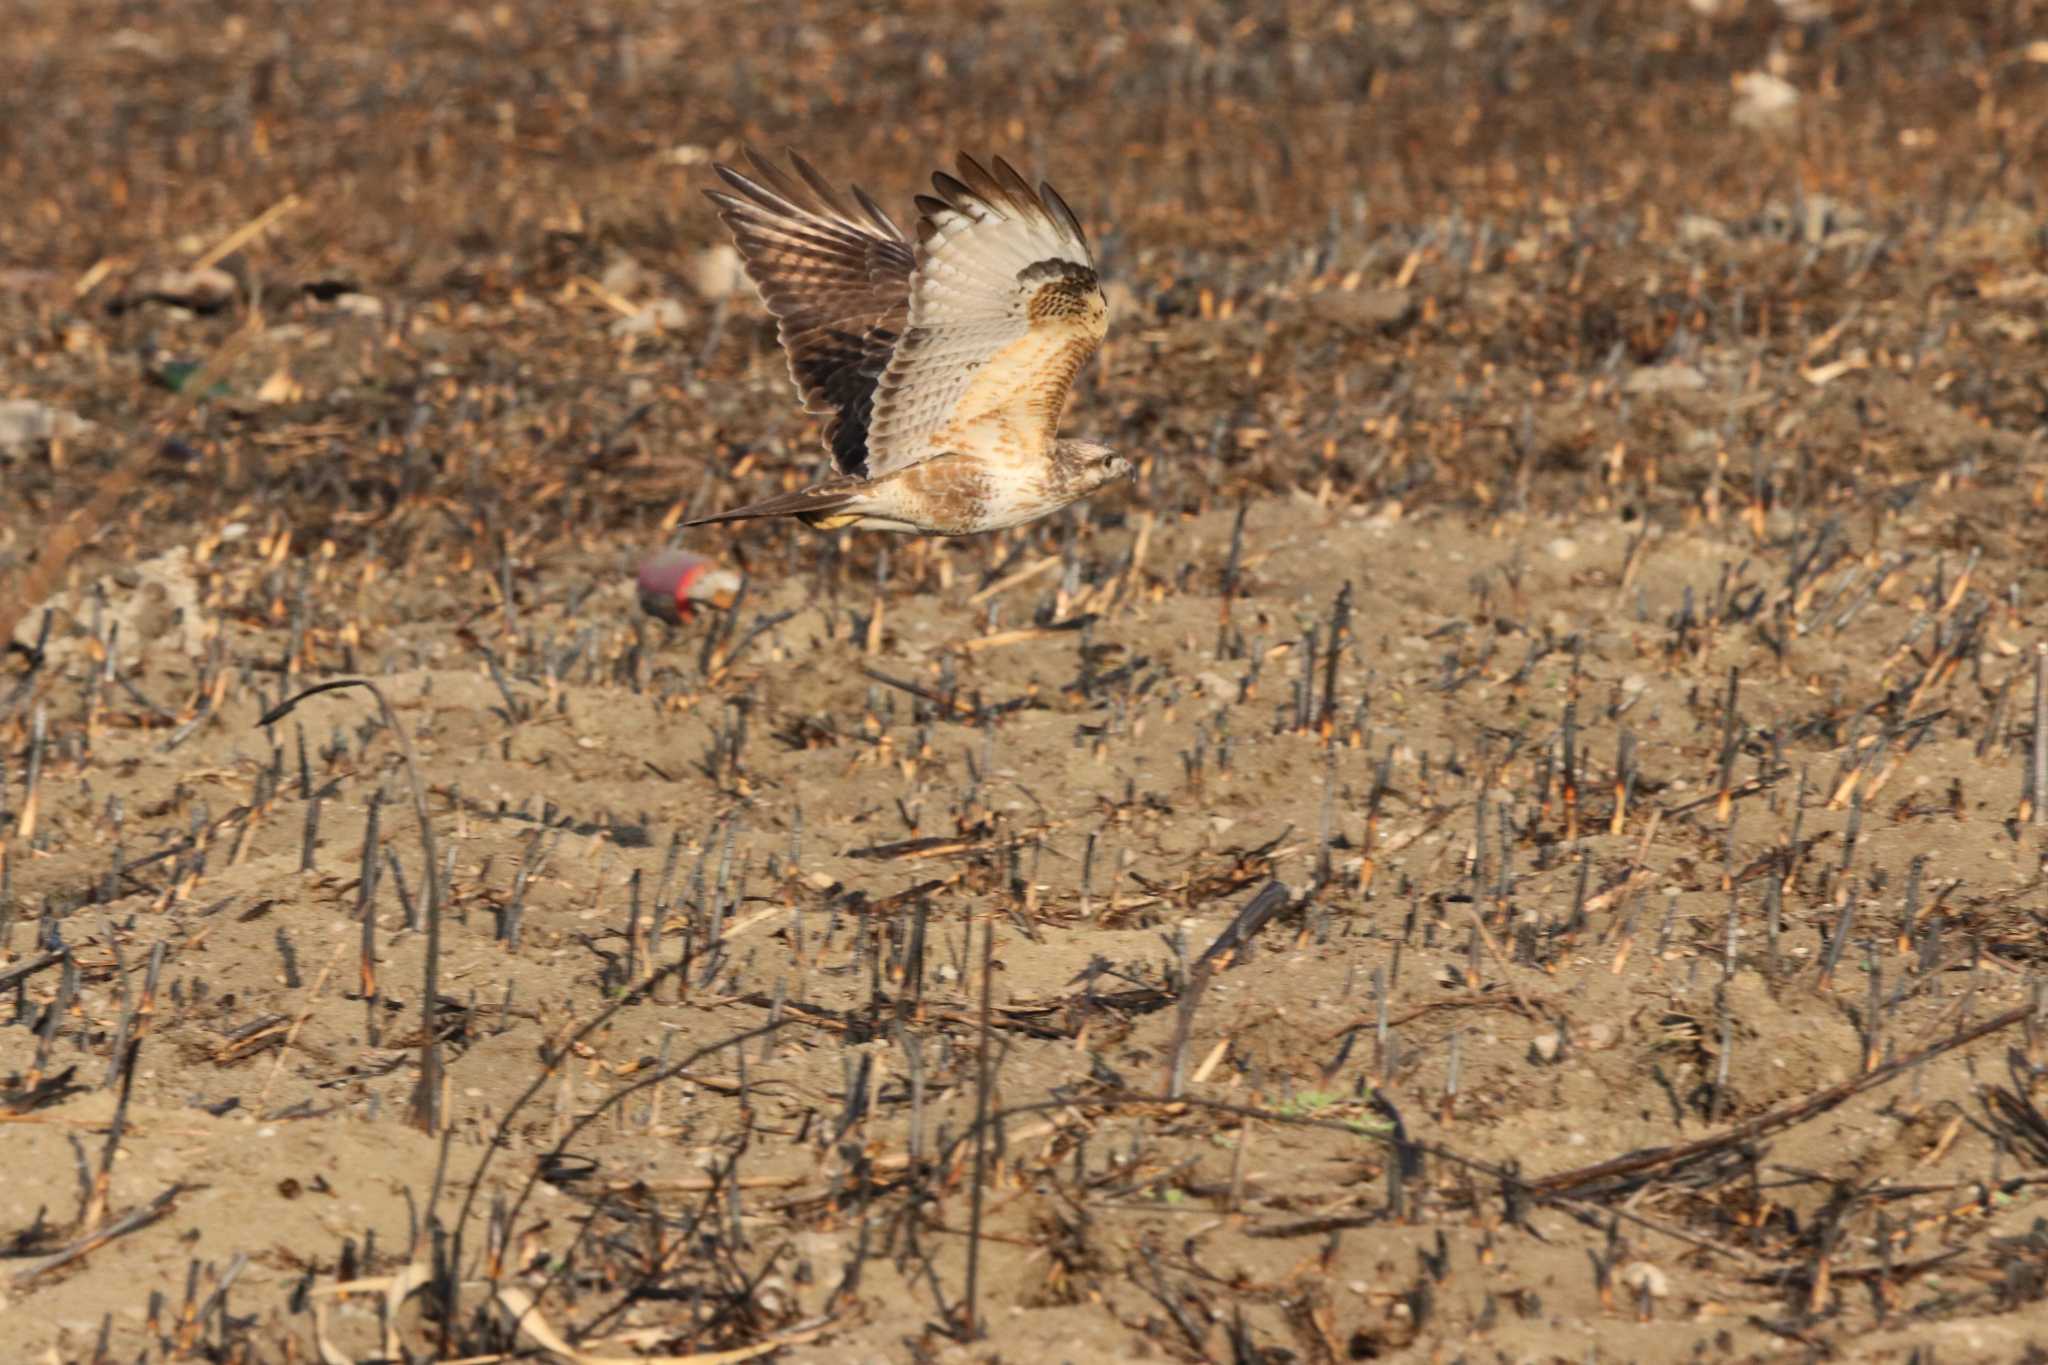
<point>818,506</point>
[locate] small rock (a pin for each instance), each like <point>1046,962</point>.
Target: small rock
<point>1696,229</point>
<point>202,291</point>
<point>1387,513</point>
<point>133,42</point>
<point>1544,1048</point>
<point>2015,328</point>
<point>1602,1036</point>
<point>1764,102</point>
<point>281,387</point>
<point>27,426</point>
<point>1383,308</point>
<point>623,276</point>
<point>359,305</point>
<point>1665,379</point>
<point>1642,1277</point>
<point>1564,549</point>
<point>1217,686</point>
<point>656,315</point>
<point>715,272</point>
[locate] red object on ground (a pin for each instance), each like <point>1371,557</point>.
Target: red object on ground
<point>673,583</point>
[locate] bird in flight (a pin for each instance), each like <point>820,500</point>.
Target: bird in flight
<point>941,368</point>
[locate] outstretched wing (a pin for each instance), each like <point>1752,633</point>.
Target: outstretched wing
<point>838,283</point>
<point>1005,308</point>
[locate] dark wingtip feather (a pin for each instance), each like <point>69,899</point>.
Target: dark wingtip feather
<point>875,214</point>
<point>1015,185</point>
<point>733,177</point>
<point>819,186</point>
<point>1051,198</point>
<point>1003,190</point>
<point>753,194</point>
<point>979,181</point>
<point>776,179</point>
<point>954,192</point>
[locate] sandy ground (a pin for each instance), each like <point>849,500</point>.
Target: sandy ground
<point>1582,591</point>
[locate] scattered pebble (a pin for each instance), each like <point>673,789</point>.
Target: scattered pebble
<point>1363,307</point>
<point>281,387</point>
<point>359,305</point>
<point>1764,102</point>
<point>27,427</point>
<point>1642,1277</point>
<point>624,276</point>
<point>715,272</point>
<point>203,291</point>
<point>656,315</point>
<point>1696,229</point>
<point>1665,379</point>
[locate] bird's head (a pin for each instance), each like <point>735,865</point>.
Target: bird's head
<point>1095,465</point>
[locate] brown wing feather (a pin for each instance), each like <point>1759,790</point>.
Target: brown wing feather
<point>837,281</point>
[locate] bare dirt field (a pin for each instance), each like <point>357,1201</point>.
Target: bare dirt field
<point>1514,838</point>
